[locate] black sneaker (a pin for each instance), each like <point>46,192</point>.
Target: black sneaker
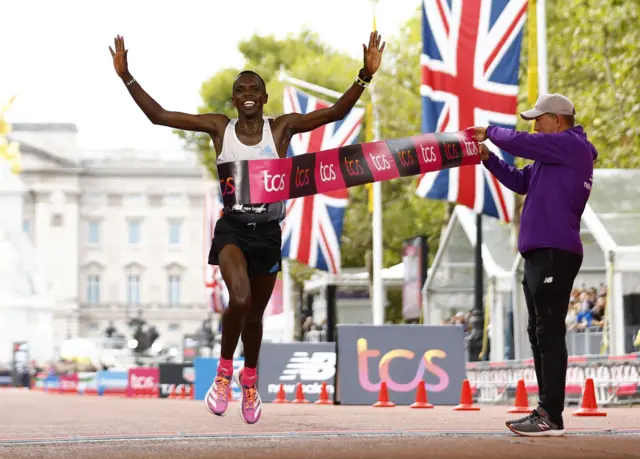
<point>537,424</point>
<point>523,419</point>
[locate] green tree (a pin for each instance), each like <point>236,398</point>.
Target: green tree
<point>594,59</point>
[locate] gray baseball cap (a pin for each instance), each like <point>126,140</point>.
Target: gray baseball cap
<point>550,103</point>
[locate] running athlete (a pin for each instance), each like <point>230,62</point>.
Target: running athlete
<point>247,238</point>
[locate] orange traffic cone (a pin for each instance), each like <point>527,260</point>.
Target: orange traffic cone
<point>466,399</point>
<point>324,396</point>
<point>281,397</point>
<point>521,404</point>
<point>300,395</point>
<point>383,397</point>
<point>183,394</point>
<point>192,391</point>
<point>421,397</point>
<point>589,403</point>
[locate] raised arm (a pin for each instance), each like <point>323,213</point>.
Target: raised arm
<point>296,122</point>
<point>212,123</point>
<point>539,147</point>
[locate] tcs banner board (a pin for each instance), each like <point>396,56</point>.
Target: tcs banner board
<point>288,364</point>
<point>402,356</point>
<point>144,379</point>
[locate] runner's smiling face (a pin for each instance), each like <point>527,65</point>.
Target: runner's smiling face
<point>249,95</point>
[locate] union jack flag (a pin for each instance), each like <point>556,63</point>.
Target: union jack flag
<point>469,67</point>
<point>215,289</point>
<point>312,228</point>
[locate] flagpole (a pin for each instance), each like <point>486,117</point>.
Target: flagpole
<point>378,288</point>
<point>541,17</point>
<point>287,305</point>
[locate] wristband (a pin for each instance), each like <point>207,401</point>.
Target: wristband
<point>363,78</point>
<point>361,82</point>
<point>129,83</point>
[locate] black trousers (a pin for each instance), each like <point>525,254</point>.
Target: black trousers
<point>549,275</point>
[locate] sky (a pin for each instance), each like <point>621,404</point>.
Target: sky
<point>55,55</point>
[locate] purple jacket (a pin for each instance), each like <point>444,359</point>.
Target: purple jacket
<point>557,184</point>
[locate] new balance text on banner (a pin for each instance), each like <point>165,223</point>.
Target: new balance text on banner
<point>312,229</point>
<point>288,364</point>
<point>402,356</point>
<point>205,372</point>
<point>272,180</point>
<point>469,66</point>
<point>142,379</point>
<point>175,376</point>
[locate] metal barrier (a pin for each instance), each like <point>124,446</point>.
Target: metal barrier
<point>616,379</point>
<point>579,342</point>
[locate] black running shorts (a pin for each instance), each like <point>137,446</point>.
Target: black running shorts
<point>260,244</point>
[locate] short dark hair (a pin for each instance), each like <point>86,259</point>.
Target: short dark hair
<point>570,120</point>
<point>251,72</point>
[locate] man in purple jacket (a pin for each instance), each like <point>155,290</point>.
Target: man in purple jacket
<point>557,185</point>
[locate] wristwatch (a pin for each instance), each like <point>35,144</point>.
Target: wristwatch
<point>363,78</point>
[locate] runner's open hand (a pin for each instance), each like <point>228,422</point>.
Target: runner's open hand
<point>120,57</point>
<point>372,54</point>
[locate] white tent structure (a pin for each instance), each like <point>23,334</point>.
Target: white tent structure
<point>611,239</point>
<point>359,277</point>
<point>350,308</point>
<point>450,284</point>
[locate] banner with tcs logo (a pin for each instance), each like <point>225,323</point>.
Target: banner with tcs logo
<point>403,356</point>
<point>280,179</point>
<point>142,379</point>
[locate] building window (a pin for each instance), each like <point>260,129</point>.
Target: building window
<point>26,227</point>
<point>174,198</point>
<point>93,289</point>
<point>132,199</point>
<point>133,289</point>
<point>93,236</point>
<point>174,327</point>
<point>174,232</point>
<point>173,284</point>
<point>134,231</point>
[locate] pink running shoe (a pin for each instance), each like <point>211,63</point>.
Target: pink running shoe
<point>251,404</point>
<point>217,398</point>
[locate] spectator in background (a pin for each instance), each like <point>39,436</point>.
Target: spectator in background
<point>572,313</point>
<point>585,302</point>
